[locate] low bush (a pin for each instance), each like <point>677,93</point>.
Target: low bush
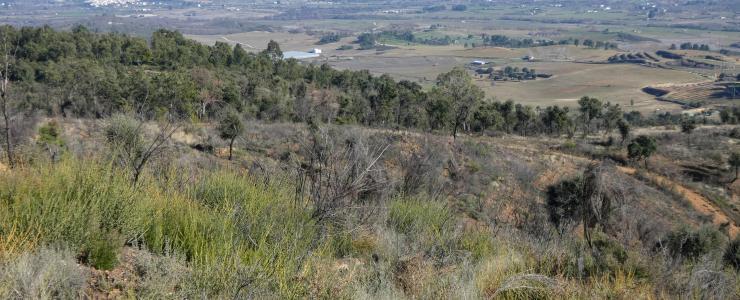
<point>418,216</point>
<point>731,256</point>
<point>101,253</point>
<point>45,273</point>
<point>692,244</point>
<point>478,243</point>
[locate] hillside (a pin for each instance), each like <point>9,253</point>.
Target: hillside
<point>428,217</point>
<point>163,168</point>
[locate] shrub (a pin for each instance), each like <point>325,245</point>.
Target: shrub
<point>564,202</point>
<point>428,224</point>
<point>70,203</point>
<point>43,274</point>
<point>162,277</point>
<point>731,257</point>
<point>478,242</point>
<point>419,217</point>
<point>505,275</point>
<point>85,206</point>
<point>609,255</point>
<point>693,244</point>
<point>50,134</point>
<point>102,253</point>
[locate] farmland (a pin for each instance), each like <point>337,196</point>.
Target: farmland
<point>574,73</point>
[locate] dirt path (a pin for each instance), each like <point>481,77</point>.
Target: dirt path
<point>699,202</point>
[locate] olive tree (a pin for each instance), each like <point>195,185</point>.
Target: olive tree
<point>230,128</point>
<point>591,109</point>
<point>462,96</point>
<point>624,130</point>
<point>642,147</point>
<point>687,126</point>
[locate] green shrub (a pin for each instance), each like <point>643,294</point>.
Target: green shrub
<point>50,134</point>
<point>731,257</point>
<point>479,243</point>
<point>609,255</point>
<point>568,146</point>
<point>418,216</point>
<point>428,225</point>
<point>693,244</point>
<point>102,253</point>
<point>70,203</point>
<point>238,224</point>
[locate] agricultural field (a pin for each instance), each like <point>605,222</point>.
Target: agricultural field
<point>577,71</point>
<point>575,80</point>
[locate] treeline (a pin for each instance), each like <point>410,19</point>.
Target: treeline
<point>498,40</point>
<point>84,74</point>
<point>369,40</point>
<point>690,46</point>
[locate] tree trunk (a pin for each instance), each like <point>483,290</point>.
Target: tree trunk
<point>454,131</point>
<point>646,164</point>
<point>231,147</point>
<point>6,120</point>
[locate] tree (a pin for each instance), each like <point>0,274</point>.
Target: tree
<point>687,126</point>
<point>221,54</point>
<point>556,119</point>
<point>9,56</point>
<point>366,41</point>
<point>273,50</point>
<point>734,162</point>
<point>239,55</point>
<point>589,199</point>
<point>590,109</point>
<point>487,117</point>
<point>524,115</point>
<point>642,147</point>
<point>612,115</point>
<point>624,130</point>
<point>457,88</point>
<point>230,128</point>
